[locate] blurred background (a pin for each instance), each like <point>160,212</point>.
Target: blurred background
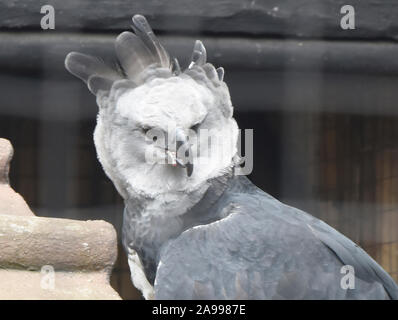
<point>322,102</point>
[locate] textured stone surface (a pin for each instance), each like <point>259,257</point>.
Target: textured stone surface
<point>68,245</point>
<point>6,153</point>
<point>11,203</point>
<point>22,285</point>
<point>49,258</point>
<point>81,254</point>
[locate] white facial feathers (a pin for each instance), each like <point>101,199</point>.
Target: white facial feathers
<point>163,103</point>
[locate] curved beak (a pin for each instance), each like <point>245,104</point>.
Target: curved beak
<point>184,157</point>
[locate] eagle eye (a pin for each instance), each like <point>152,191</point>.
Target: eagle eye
<point>195,127</point>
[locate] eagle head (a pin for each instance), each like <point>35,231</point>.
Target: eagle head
<point>160,130</point>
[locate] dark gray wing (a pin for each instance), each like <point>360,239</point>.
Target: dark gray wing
<point>350,253</point>
<point>265,250</point>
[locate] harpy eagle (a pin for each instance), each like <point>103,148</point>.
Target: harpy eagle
<point>192,227</point>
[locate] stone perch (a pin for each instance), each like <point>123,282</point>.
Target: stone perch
<point>11,203</point>
<point>49,258</point>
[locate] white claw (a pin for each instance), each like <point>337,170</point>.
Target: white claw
<point>138,276</point>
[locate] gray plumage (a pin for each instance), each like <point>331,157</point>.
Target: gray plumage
<point>200,230</point>
<point>264,249</point>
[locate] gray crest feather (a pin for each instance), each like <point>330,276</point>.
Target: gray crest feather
<point>220,72</point>
<point>124,84</point>
<point>83,66</point>
<point>120,86</point>
<point>142,29</point>
<point>211,72</point>
<point>175,67</point>
<point>97,83</point>
<point>198,54</point>
<point>140,58</point>
<point>133,55</point>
